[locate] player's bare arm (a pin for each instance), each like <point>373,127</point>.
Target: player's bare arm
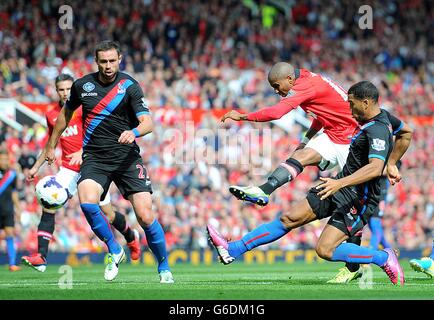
<point>372,170</point>
<point>263,115</point>
<point>146,126</point>
<point>402,142</point>
<point>62,122</point>
<point>234,115</point>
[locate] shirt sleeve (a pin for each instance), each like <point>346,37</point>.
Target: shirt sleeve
<point>73,101</point>
<point>396,123</point>
<point>379,141</point>
<point>138,101</point>
<point>283,107</point>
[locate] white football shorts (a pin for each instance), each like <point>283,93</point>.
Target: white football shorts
<point>333,154</point>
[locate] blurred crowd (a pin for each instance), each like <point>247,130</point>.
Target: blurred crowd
<point>213,55</point>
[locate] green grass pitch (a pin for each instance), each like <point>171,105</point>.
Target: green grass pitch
<point>238,281</point>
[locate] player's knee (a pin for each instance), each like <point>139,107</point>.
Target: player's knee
<point>145,220</point>
<point>145,216</point>
<point>88,197</point>
<point>89,192</point>
<point>307,156</point>
<point>324,251</point>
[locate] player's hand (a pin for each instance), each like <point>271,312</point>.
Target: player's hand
<point>50,156</point>
<point>329,187</point>
<point>127,137</point>
<point>300,146</point>
<point>76,158</point>
<point>393,174</point>
<point>31,174</point>
<point>234,115</point>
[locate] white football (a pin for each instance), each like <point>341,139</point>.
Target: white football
<point>50,193</point>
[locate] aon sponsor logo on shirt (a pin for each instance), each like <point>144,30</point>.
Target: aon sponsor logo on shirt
<point>70,131</point>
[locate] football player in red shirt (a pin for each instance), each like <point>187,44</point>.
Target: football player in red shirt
<point>319,97</point>
<point>71,144</point>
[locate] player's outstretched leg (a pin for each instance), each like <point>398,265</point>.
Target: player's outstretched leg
<point>285,172</point>
<point>38,261</point>
<point>229,251</point>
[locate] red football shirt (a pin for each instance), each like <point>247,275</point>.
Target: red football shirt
<point>71,139</point>
<point>320,98</point>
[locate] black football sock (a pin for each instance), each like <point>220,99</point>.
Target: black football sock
<point>45,232</point>
<point>285,172</point>
<point>120,224</point>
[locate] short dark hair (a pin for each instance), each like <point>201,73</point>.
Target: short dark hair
<point>63,77</point>
<point>280,70</point>
<point>364,90</point>
<point>107,45</point>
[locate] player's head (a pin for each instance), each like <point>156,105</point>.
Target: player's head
<point>108,57</point>
<point>282,78</point>
<point>63,86</point>
<point>4,159</point>
<point>363,96</point>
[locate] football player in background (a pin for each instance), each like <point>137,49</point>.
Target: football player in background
<point>8,200</point>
